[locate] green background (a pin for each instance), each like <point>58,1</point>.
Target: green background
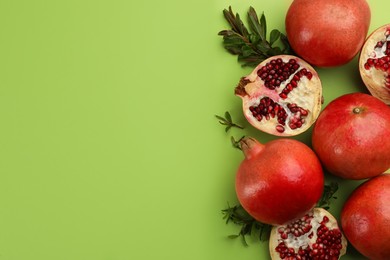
<point>109,148</point>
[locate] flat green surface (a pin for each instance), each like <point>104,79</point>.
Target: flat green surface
<point>109,148</point>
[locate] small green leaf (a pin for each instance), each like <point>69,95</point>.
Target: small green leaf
<point>275,51</point>
<point>274,36</point>
<point>220,118</point>
<point>254,23</point>
<point>228,116</point>
<point>233,236</point>
<point>263,46</point>
<point>263,24</point>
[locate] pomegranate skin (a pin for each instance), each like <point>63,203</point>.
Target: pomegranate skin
<point>351,136</point>
<point>279,181</point>
<point>365,218</point>
<point>327,33</point>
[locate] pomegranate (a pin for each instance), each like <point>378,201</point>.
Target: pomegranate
<point>374,63</point>
<point>281,96</point>
<point>365,218</point>
<point>327,33</point>
<point>279,181</point>
<point>351,136</point>
<point>313,236</point>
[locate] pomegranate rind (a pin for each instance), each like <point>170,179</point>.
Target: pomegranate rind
<point>327,33</point>
<point>309,96</point>
<point>318,215</point>
<point>278,181</point>
<point>375,79</point>
<point>365,218</point>
<point>353,145</point>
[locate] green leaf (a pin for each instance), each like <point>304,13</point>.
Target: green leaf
<point>328,195</point>
<point>263,24</point>
<point>274,36</point>
<point>254,23</point>
<point>233,236</point>
<point>275,51</point>
<point>228,116</point>
<point>263,46</point>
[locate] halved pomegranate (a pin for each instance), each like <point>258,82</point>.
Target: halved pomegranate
<point>374,63</point>
<point>281,96</point>
<point>313,236</point>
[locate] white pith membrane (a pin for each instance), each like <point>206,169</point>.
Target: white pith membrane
<point>376,80</point>
<point>307,95</point>
<point>303,244</point>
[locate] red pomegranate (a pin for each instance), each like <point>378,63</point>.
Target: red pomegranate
<point>313,236</point>
<point>351,136</point>
<point>282,96</point>
<point>279,181</point>
<point>374,63</point>
<point>365,218</point>
<point>327,33</point>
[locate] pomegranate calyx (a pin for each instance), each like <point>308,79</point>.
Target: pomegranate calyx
<point>250,147</point>
<point>240,89</point>
<point>358,110</point>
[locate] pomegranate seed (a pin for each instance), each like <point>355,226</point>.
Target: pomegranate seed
<point>280,129</point>
<point>325,219</point>
<point>379,44</point>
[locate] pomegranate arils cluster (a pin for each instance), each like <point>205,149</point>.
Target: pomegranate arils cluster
<point>374,63</point>
<point>276,71</point>
<point>310,237</point>
<point>380,62</point>
<point>282,95</point>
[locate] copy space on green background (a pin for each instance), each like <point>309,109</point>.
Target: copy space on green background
<point>109,148</point>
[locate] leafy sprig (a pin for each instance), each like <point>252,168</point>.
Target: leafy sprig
<point>252,46</point>
<point>227,121</point>
<point>249,225</point>
<point>328,195</point>
<point>236,143</point>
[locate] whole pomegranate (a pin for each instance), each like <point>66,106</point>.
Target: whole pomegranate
<point>365,218</point>
<point>327,33</point>
<point>281,96</point>
<point>313,236</point>
<point>279,181</point>
<point>374,63</point>
<point>351,136</point>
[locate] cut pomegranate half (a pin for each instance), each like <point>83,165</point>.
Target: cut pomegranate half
<point>314,236</point>
<point>374,63</point>
<point>281,96</point>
